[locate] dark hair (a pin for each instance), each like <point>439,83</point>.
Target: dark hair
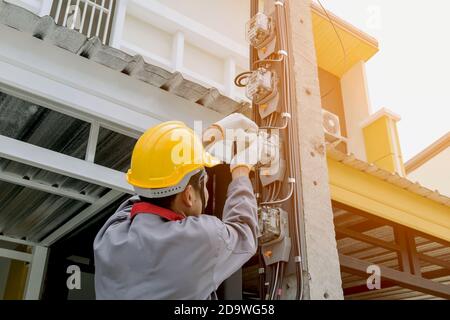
<point>166,202</point>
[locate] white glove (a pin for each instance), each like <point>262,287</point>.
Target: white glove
<point>221,150</point>
<point>226,129</point>
<point>255,148</point>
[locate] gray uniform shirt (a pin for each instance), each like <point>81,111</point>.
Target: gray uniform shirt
<point>150,257</point>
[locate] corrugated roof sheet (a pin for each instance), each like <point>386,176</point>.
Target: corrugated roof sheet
<point>393,178</point>
<point>45,28</point>
<point>32,214</point>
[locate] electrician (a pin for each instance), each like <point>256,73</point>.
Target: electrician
<point>159,244</point>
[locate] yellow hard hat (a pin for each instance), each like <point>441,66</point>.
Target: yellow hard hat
<point>165,157</point>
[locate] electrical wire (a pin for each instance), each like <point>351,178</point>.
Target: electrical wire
<point>340,41</point>
<point>241,77</point>
<point>262,275</point>
<point>278,189</point>
<point>334,28</point>
<point>294,167</point>
<point>275,282</point>
<point>272,192</point>
<point>254,7</point>
<point>280,282</point>
<point>258,62</point>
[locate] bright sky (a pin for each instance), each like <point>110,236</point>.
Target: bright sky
<point>410,75</point>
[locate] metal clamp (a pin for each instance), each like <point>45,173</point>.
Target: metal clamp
<point>286,116</point>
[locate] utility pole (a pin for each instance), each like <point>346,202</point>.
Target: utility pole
<point>322,278</point>
<point>298,243</point>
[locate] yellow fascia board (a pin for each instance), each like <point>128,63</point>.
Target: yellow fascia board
<point>358,46</point>
<point>385,200</point>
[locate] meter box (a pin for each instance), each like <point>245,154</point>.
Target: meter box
<point>274,234</point>
<point>261,86</point>
<point>259,30</point>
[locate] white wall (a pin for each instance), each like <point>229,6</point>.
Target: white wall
<point>40,7</point>
<point>356,107</point>
<point>211,49</point>
<point>227,17</point>
<point>147,37</point>
<point>435,174</point>
<point>203,63</point>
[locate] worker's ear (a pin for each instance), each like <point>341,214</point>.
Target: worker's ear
<point>187,196</point>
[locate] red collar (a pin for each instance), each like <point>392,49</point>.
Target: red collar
<point>148,208</point>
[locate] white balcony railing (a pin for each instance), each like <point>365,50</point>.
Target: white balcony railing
<point>90,17</point>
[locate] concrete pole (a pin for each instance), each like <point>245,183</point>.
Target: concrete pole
<point>319,251</point>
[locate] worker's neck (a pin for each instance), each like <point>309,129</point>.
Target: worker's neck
<point>177,209</point>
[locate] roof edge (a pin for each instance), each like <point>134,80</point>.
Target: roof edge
<point>428,153</point>
<point>370,40</point>
<point>349,159</point>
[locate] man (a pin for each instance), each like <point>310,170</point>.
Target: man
<point>159,244</point>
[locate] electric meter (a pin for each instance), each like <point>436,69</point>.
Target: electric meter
<point>274,234</point>
<point>261,85</point>
<point>259,30</point>
<point>269,224</point>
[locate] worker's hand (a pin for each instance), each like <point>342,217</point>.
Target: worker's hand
<point>226,129</point>
<point>255,149</point>
<point>222,150</point>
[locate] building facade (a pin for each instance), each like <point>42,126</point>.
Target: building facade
<point>431,166</point>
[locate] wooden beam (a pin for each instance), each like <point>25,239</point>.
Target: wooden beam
<point>434,261</point>
<point>363,288</point>
<point>402,256</point>
<point>367,239</point>
<point>385,284</point>
<point>412,253</point>
<point>402,279</point>
<point>431,238</point>
<point>361,227</point>
<point>362,213</point>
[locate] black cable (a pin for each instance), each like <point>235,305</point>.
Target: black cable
<point>294,166</point>
<point>241,77</point>
<point>262,275</point>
